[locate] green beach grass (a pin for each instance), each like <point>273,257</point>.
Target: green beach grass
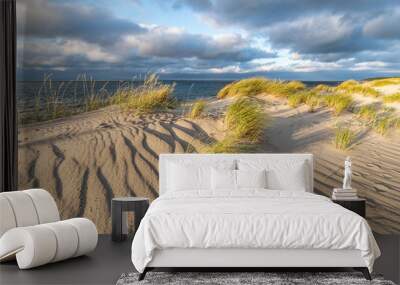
<point>197,109</point>
<point>151,96</point>
<point>51,103</point>
<point>245,122</point>
<point>394,98</point>
<point>384,81</point>
<point>338,102</point>
<point>344,137</point>
<point>246,87</point>
<point>384,124</point>
<point>313,100</point>
<point>354,87</point>
<point>323,88</point>
<point>294,100</point>
<point>260,85</point>
<point>367,112</point>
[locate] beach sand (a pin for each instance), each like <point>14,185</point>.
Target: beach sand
<point>87,159</point>
<point>376,159</point>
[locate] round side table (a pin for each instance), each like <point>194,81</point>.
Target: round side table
<point>119,207</point>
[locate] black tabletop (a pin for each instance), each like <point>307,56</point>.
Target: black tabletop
<point>130,199</point>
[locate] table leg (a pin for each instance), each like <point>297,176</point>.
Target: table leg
<point>116,221</point>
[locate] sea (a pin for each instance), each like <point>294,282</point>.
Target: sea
<point>30,93</point>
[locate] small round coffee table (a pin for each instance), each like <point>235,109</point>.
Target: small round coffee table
<point>119,207</point>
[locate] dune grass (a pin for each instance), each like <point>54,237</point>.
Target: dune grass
<point>245,87</point>
<point>197,109</point>
<point>344,137</point>
<point>94,99</point>
<point>384,124</point>
<point>295,85</point>
<point>283,88</point>
<point>258,85</point>
<point>352,86</point>
<point>310,98</point>
<point>338,102</point>
<point>313,100</point>
<point>396,123</point>
<point>228,145</point>
<point>368,113</point>
<point>323,88</point>
<point>245,122</point>
<point>394,98</point>
<point>151,96</point>
<point>51,102</point>
<point>294,100</point>
<point>384,81</point>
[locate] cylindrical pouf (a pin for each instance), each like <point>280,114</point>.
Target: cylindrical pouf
<point>67,240</point>
<point>52,242</point>
<point>87,234</point>
<point>46,207</point>
<point>7,217</point>
<point>34,246</point>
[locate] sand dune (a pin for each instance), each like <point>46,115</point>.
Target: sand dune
<point>376,159</point>
<point>86,160</point>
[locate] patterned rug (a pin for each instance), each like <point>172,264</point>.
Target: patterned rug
<point>243,278</point>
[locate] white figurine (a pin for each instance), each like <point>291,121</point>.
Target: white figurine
<point>347,173</point>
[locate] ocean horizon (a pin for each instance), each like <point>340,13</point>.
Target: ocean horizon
<point>73,91</point>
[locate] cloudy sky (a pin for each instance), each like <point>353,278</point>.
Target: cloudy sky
<point>206,39</point>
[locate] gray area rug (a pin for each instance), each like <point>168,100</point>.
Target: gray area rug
<point>229,278</point>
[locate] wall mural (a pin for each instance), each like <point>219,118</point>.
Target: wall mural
<point>106,86</point>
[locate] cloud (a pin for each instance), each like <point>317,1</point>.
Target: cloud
<point>384,26</point>
<point>253,37</point>
<point>199,5</point>
<point>261,13</point>
<point>324,30</point>
<point>52,19</point>
<point>75,37</point>
<point>369,65</point>
<point>321,34</point>
<point>176,43</point>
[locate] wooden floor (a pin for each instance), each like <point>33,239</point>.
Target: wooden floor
<point>111,259</point>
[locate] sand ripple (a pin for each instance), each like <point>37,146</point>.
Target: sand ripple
<point>86,160</point>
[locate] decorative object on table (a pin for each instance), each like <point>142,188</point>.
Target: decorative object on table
<point>355,205</point>
<point>347,174</point>
<point>344,194</point>
<point>119,207</point>
<point>244,278</point>
<point>347,192</point>
<point>32,233</point>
